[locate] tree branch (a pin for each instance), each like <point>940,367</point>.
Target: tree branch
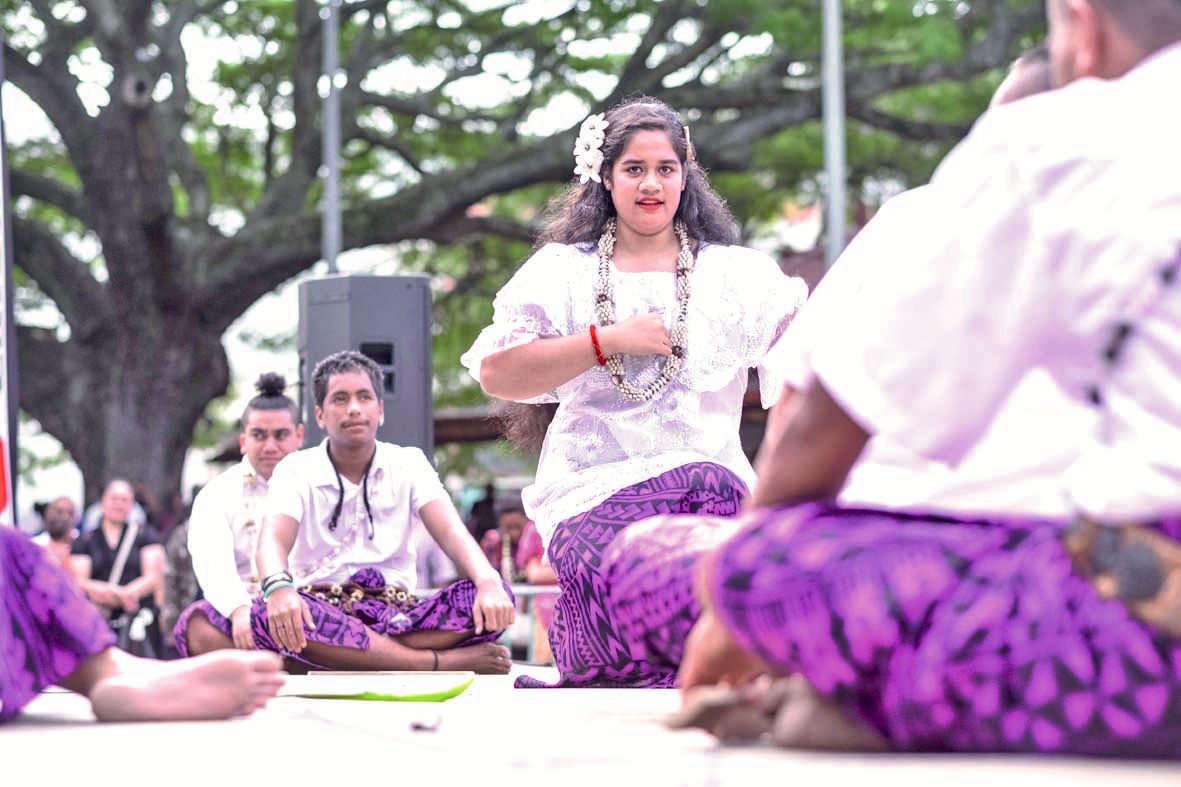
<point>649,80</point>
<point>288,192</point>
<point>421,104</point>
<point>388,143</point>
<point>40,360</point>
<point>113,37</point>
<point>174,110</point>
<point>51,191</point>
<point>54,90</point>
<point>916,130</point>
<point>661,22</point>
<point>61,39</point>
<point>61,276</point>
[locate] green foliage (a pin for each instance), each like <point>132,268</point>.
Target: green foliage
<point>440,87</point>
<point>30,463</point>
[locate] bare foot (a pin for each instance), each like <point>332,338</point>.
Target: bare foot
<point>218,685</point>
<point>727,713</point>
<point>808,720</point>
<point>486,658</point>
<point>786,710</point>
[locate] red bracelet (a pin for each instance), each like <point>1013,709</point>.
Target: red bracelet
<point>598,350</point>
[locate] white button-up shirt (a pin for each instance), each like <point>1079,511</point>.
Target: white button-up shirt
<point>304,487</point>
<point>1060,215</point>
<point>223,536</point>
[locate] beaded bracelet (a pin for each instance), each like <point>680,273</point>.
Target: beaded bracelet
<point>278,584</point>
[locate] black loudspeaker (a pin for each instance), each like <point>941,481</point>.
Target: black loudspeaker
<point>387,318</point>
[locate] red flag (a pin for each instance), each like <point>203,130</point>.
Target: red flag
<point>3,474</point>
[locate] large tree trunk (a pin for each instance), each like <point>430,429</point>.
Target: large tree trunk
<point>132,399</point>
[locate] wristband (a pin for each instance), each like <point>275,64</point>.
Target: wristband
<point>278,576</point>
<point>278,584</point>
<point>598,349</point>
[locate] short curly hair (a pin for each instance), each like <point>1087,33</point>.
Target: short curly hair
<point>339,363</point>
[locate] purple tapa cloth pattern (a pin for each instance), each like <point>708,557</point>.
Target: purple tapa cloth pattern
<point>47,625</point>
<point>650,570</point>
<point>588,649</point>
<point>180,632</point>
<point>450,609</point>
<point>949,634</point>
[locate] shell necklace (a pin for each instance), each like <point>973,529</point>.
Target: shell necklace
<point>605,311</point>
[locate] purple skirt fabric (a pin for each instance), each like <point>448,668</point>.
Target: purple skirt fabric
<point>948,634</point>
<point>589,649</point>
<point>47,625</point>
<point>180,632</point>
<point>650,570</point>
<point>448,610</point>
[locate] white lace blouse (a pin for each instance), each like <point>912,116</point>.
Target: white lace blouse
<point>599,442</point>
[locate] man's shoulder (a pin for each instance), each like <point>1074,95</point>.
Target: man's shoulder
<point>227,479</point>
<point>302,464</point>
<point>396,457</point>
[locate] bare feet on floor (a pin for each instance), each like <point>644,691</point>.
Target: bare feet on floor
<point>219,685</point>
<point>487,659</point>
<point>785,711</point>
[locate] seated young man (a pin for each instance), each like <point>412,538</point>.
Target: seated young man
<point>337,553</point>
<point>224,526</point>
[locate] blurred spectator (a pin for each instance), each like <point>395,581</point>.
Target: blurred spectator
<point>515,548</point>
<point>501,543</point>
<point>92,517</point>
<point>60,529</point>
<point>180,583</point>
<point>146,500</point>
<point>538,572</point>
<point>435,569</point>
<point>121,567</point>
<point>482,518</point>
<point>172,513</point>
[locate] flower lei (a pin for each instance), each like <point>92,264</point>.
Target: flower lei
<point>605,310</point>
<point>588,148</point>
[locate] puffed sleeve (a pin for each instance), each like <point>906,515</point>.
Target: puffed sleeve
<point>773,299</point>
<point>534,304</point>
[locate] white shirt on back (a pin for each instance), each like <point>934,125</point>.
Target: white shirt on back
<point>304,487</point>
<point>1016,466</point>
<point>1059,215</point>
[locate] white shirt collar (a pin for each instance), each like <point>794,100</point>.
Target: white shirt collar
<point>324,474</point>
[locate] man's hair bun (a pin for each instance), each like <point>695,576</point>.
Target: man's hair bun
<point>271,384</point>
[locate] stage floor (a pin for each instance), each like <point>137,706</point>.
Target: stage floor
<point>489,735</point>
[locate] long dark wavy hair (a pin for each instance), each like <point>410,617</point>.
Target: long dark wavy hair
<point>578,216</point>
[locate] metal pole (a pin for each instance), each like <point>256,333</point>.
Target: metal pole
<point>10,387</point>
<point>331,241</point>
<point>833,90</point>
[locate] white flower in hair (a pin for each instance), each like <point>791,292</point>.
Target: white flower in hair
<point>588,153</point>
<point>594,127</point>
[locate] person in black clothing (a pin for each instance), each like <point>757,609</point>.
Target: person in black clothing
<point>120,567</point>
<point>483,514</point>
